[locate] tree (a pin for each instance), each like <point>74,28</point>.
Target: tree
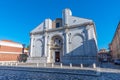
<point>22,57</point>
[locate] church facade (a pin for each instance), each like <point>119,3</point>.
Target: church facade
<point>68,39</point>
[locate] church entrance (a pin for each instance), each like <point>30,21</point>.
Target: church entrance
<point>57,56</point>
<point>56,46</point>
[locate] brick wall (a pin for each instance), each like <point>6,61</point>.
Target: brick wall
<point>9,50</point>
<point>8,57</point>
<point>115,44</point>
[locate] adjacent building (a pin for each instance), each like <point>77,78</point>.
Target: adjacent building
<point>69,39</point>
<point>115,44</point>
<point>26,51</point>
<point>104,55</point>
<point>10,51</point>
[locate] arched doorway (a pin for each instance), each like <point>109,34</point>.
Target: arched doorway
<point>56,48</point>
<point>57,56</point>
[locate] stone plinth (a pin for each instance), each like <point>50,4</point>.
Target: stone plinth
<point>36,60</point>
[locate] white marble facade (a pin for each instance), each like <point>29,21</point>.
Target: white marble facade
<point>68,39</point>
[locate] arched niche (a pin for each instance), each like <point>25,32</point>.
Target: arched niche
<point>38,47</point>
<point>77,45</point>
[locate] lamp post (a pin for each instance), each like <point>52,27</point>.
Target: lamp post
<point>23,48</point>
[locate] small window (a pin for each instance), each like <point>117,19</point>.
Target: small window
<point>57,25</point>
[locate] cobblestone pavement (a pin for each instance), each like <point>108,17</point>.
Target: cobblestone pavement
<point>110,65</point>
<point>23,75</point>
<point>15,75</point>
<point>108,71</point>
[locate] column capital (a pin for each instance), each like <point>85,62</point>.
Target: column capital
<point>88,27</point>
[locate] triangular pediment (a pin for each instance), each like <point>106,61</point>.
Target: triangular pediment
<point>72,20</point>
<point>38,28</point>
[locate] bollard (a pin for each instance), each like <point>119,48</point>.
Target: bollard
<point>16,64</point>
<point>2,63</point>
<point>61,65</point>
<point>44,64</point>
<point>94,65</point>
<point>37,64</point>
<point>70,65</point>
<point>81,65</point>
<point>11,64</point>
<point>6,64</point>
<point>98,71</point>
<point>52,65</point>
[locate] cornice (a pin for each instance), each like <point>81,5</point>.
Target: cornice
<point>61,28</point>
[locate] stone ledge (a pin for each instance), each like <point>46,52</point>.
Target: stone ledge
<point>54,70</point>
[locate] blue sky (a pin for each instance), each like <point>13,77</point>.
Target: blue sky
<point>19,17</point>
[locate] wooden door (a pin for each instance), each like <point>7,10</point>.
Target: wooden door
<point>57,56</point>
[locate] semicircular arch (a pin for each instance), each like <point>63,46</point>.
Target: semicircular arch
<point>38,48</point>
<point>78,44</point>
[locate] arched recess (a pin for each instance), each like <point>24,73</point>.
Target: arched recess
<point>56,48</point>
<point>38,48</point>
<point>77,45</point>
<point>56,40</point>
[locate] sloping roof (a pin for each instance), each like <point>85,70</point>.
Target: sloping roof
<point>73,20</point>
<point>38,28</point>
<point>10,41</point>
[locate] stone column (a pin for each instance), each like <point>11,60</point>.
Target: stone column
<point>48,55</point>
<point>48,45</point>
<point>87,34</point>
<point>31,46</point>
<point>91,43</point>
<point>45,44</point>
<point>66,41</point>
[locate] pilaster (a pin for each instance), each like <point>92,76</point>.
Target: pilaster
<point>31,45</point>
<point>66,40</point>
<point>45,44</point>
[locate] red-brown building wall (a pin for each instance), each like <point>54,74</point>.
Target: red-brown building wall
<point>9,57</point>
<point>10,49</point>
<point>115,44</point>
